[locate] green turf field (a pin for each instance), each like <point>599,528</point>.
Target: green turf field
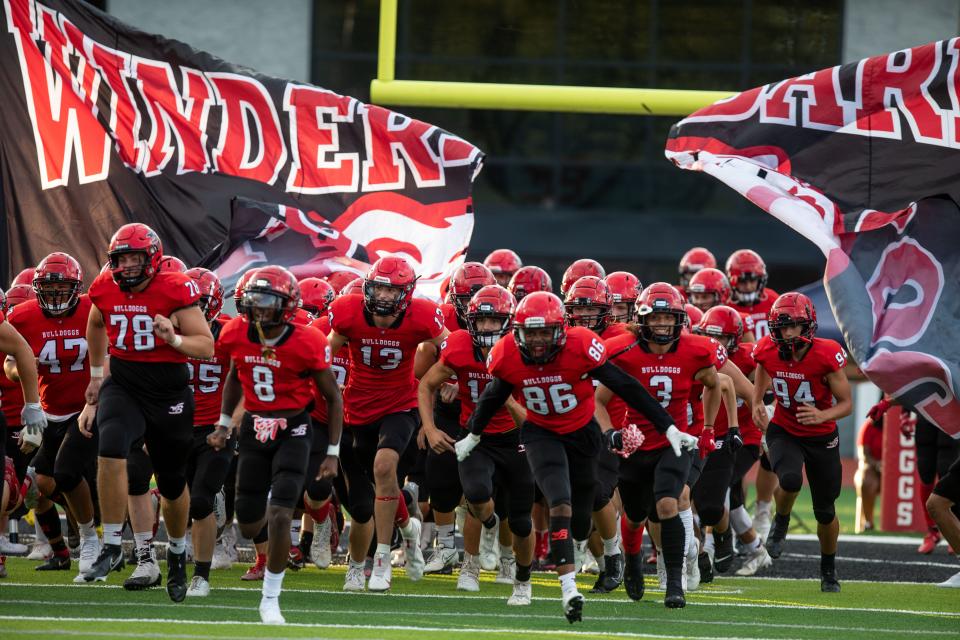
<point>47,605</point>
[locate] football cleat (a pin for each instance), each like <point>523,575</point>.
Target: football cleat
<point>110,559</point>
<point>257,570</point>
<point>55,563</point>
<point>270,611</point>
<point>412,552</point>
<point>89,551</point>
<point>489,546</point>
<point>613,572</point>
<point>573,607</point>
<point>295,559</point>
<point>508,570</point>
<point>633,576</point>
<point>147,573</point>
<point>40,551</point>
<point>706,567</point>
<point>723,555</point>
<point>469,578</point>
<point>759,559</point>
<point>354,579</point>
<point>176,576</point>
<point>953,582</point>
<point>380,577</point>
<point>320,553</point>
<point>199,588</point>
<point>930,542</point>
<point>829,582</point>
<point>598,585</point>
<point>522,594</point>
<point>8,548</point>
<point>443,561</point>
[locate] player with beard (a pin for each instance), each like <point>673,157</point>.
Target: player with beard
<point>549,368</point>
<point>383,329</point>
<point>275,364</point>
<point>812,393</point>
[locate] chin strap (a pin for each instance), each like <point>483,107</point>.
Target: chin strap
<point>268,352</point>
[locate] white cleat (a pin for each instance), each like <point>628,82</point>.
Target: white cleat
<point>953,582</point>
<point>469,578</point>
<point>270,611</point>
<point>661,571</point>
<point>573,607</point>
<point>8,548</point>
<point>759,559</point>
<point>762,524</point>
<point>221,558</point>
<point>320,553</point>
<point>522,594</point>
<point>200,588</point>
<point>89,551</point>
<point>691,568</point>
<point>490,546</point>
<point>411,549</point>
<point>354,580</point>
<point>381,576</point>
<point>443,560</point>
<point>508,570</point>
<point>41,551</point>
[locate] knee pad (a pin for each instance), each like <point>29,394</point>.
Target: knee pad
<point>520,526</point>
<point>561,540</point>
<point>171,485</point>
<point>319,490</point>
<point>824,514</point>
<point>710,515</point>
<point>791,482</point>
<point>67,480</point>
<point>285,489</point>
<point>580,525</point>
<point>250,508</point>
<point>361,513</point>
<point>740,520</point>
<point>200,506</point>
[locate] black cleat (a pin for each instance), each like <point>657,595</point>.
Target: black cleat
<point>612,575</point>
<point>706,567</point>
<point>723,555</point>
<point>633,576</point>
<point>829,582</point>
<point>110,559</point>
<point>55,563</point>
<point>775,544</point>
<point>598,585</point>
<point>674,598</point>
<point>573,609</point>
<point>177,576</point>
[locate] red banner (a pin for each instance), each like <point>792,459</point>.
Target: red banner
<point>902,509</point>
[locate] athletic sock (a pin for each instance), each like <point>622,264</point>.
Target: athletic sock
<point>523,573</point>
<point>445,535</point>
<point>827,562</point>
<point>177,545</point>
<point>272,583</point>
<point>306,540</point>
<point>113,534</point>
<point>87,530</point>
<point>202,570</point>
<point>568,583</point>
<point>142,540</point>
<point>295,533</point>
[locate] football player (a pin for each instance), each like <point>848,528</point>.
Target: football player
<point>54,323</point>
<point>667,362</point>
<point>382,328</point>
<point>625,288</point>
<point>503,263</point>
<point>812,392</point>
<point>944,507</point>
<point>137,312</point>
<point>692,261</point>
<point>549,368</point>
<point>172,263</point>
<point>529,280</point>
<point>275,364</point>
<point>578,269</point>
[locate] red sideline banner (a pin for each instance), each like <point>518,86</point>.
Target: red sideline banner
<point>902,509</point>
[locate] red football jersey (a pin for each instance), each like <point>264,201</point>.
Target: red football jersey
<point>617,408</point>
<point>206,379</point>
<point>279,381</point>
<point>758,313</point>
<point>803,382</point>
<point>450,319</point>
<point>60,344</point>
<point>669,377</point>
<point>558,395</point>
<point>11,396</point>
<point>743,359</point>
<point>381,360</point>
<point>302,316</point>
<point>340,368</point>
<point>460,354</point>
<point>129,315</point>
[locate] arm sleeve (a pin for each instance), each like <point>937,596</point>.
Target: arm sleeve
<point>494,396</point>
<point>633,393</point>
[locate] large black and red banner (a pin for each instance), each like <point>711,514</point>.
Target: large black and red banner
<point>105,124</point>
<point>862,159</point>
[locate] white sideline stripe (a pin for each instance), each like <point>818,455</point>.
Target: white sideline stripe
<point>462,614</point>
<point>852,537</point>
<point>912,563</point>
<point>694,603</point>
<point>448,630</point>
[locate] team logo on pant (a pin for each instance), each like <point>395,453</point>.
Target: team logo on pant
<point>266,428</point>
<point>833,443</point>
<point>176,409</point>
<point>299,430</point>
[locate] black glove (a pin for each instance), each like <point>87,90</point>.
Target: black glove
<point>613,439</point>
<point>733,440</point>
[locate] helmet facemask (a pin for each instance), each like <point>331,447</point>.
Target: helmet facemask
<point>788,347</point>
<point>661,333</point>
<point>130,276</point>
<point>749,298</point>
<point>377,301</point>
<point>55,294</point>
<point>486,338</point>
<point>540,343</point>
<point>596,321</point>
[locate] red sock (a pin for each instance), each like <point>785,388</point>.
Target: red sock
<point>632,538</point>
<point>402,514</point>
<point>925,490</point>
<point>320,513</point>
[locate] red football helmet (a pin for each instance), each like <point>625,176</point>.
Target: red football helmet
<point>694,315</point>
<point>540,310</point>
<point>467,280</point>
<point>391,274</point>
<point>580,268</point>
<point>135,237</point>
<point>660,297</point>
<point>724,323</point>
<point>211,291</point>
<point>694,260</point>
<point>238,288</point>
<point>339,279</point>
<point>173,264</point>
<point>57,281</point>
<point>316,295</point>
<point>624,288</point>
<point>503,263</point>
<point>354,286</point>
<point>708,288</point>
<point>491,301</point>
<point>271,297</point>
<point>745,265</point>
<point>24,277</point>
<point>19,293</point>
<point>792,309</point>
<point>589,292</point>
<point>529,280</point>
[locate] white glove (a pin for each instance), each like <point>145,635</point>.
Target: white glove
<point>466,445</point>
<point>763,444</point>
<point>680,440</point>
<point>33,419</point>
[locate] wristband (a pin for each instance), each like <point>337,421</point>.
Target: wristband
<point>225,420</point>
<point>177,340</point>
<point>333,450</point>
<point>96,372</point>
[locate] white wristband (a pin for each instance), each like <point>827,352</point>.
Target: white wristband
<point>225,420</point>
<point>177,340</point>
<point>333,450</point>
<point>96,372</point>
